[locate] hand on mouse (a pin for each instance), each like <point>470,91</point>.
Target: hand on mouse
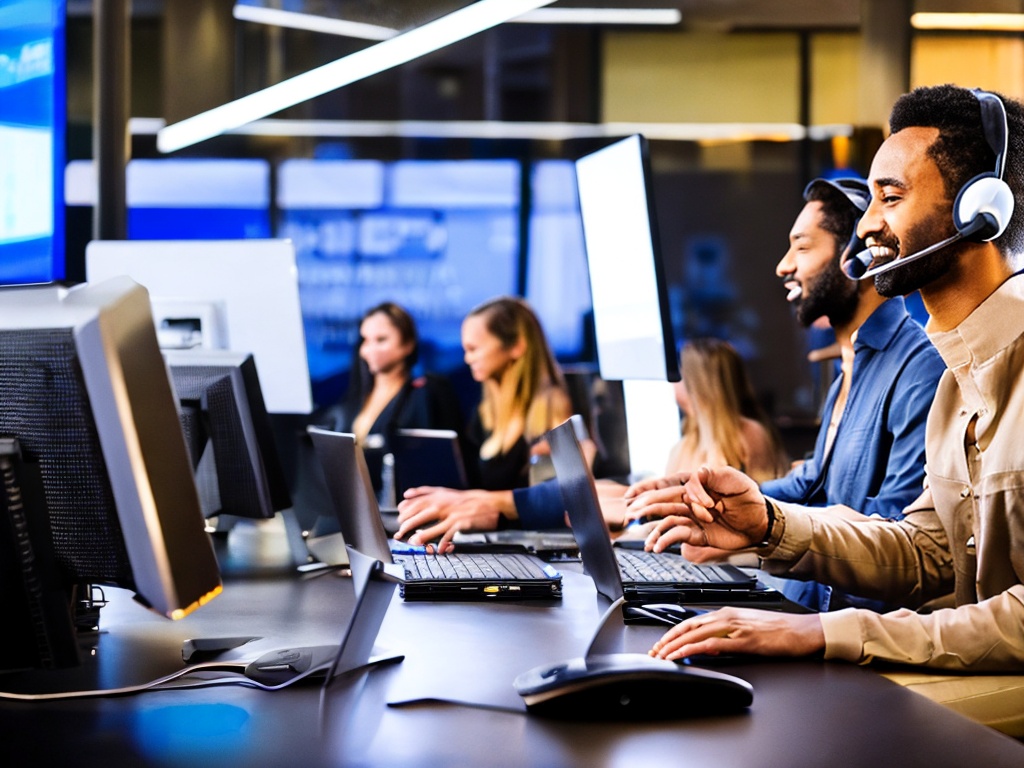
<point>742,630</point>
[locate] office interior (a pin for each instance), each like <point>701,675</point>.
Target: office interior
<point>742,103</point>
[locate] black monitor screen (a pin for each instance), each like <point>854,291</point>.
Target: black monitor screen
<point>228,431</point>
<point>627,282</point>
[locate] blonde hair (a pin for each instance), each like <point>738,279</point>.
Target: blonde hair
<point>722,398</point>
<point>532,397</point>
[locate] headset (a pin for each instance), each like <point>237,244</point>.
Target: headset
<point>983,206</point>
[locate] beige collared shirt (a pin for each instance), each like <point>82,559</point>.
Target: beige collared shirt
<point>964,535</point>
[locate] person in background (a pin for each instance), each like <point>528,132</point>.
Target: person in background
<point>523,396</point>
<point>869,452</point>
<point>384,395</point>
<point>963,536</point>
<point>723,424</point>
<point>523,392</point>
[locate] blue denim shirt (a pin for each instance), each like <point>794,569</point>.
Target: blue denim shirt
<point>877,461</point>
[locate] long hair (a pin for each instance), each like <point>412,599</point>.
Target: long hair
<point>532,391</point>
<point>722,396</point>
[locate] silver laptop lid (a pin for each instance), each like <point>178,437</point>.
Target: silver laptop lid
<point>351,492</point>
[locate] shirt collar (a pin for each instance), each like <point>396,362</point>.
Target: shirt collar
<point>989,329</point>
<point>882,325</point>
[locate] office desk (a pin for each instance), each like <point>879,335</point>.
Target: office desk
<point>805,713</point>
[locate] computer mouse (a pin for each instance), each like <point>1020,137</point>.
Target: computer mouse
<point>668,614</point>
<point>630,686</point>
<point>276,667</point>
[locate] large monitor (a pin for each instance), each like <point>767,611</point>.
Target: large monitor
<point>32,121</point>
<point>229,435</point>
<point>632,322</point>
<point>97,448</point>
<point>238,295</point>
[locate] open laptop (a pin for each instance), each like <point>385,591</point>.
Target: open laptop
<point>427,457</point>
<point>682,582</point>
<point>476,576</point>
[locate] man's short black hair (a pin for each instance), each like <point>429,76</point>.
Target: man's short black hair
<point>839,213</point>
<point>961,151</point>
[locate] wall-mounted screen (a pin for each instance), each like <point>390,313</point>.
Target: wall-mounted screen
<point>627,284</point>
<point>32,117</point>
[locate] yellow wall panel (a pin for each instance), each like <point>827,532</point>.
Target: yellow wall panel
<point>835,78</point>
<point>995,63</point>
<point>701,77</point>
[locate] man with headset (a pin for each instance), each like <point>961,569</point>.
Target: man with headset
<point>940,221</point>
<point>869,452</point>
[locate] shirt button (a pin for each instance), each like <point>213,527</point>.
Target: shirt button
<point>966,492</point>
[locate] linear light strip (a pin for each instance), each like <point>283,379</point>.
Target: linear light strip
<point>626,16</point>
<point>277,18</point>
<point>974,22</point>
<point>259,14</point>
<point>518,130</point>
<point>386,54</point>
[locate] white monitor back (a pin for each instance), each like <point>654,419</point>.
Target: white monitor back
<point>652,426</point>
<point>244,293</point>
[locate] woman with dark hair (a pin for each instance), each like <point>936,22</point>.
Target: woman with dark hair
<point>383,395</point>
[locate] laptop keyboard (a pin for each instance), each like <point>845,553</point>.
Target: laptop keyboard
<point>475,566</point>
<point>648,566</point>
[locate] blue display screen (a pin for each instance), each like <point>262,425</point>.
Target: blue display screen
<point>32,118</point>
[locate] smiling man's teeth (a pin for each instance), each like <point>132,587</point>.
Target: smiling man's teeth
<point>794,292</point>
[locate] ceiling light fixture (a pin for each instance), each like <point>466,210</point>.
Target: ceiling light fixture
<point>386,54</point>
<point>974,22</point>
<point>275,17</point>
<point>630,16</point>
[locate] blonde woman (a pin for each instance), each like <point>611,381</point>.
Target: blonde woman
<point>722,423</point>
<point>523,395</point>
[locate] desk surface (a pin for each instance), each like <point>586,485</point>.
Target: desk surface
<point>805,713</point>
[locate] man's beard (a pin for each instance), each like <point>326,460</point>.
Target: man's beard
<point>908,278</point>
<point>831,295</point>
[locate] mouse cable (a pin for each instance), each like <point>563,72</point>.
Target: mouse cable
<point>163,684</point>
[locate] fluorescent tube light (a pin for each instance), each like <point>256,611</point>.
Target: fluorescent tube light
<point>653,16</point>
<point>974,22</point>
<point>277,18</point>
<point>397,50</point>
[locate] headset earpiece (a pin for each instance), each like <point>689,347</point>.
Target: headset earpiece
<point>984,204</point>
<point>983,208</point>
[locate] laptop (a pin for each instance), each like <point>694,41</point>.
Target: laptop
<point>427,457</point>
<point>465,576</point>
<point>614,570</point>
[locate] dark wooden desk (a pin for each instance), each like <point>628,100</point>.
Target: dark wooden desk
<point>804,713</point>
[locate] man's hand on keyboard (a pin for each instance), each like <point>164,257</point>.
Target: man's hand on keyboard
<point>720,508</point>
<point>428,513</point>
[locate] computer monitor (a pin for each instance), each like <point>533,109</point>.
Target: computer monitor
<point>237,295</point>
<point>632,322</point>
<point>228,432</point>
<point>97,448</point>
